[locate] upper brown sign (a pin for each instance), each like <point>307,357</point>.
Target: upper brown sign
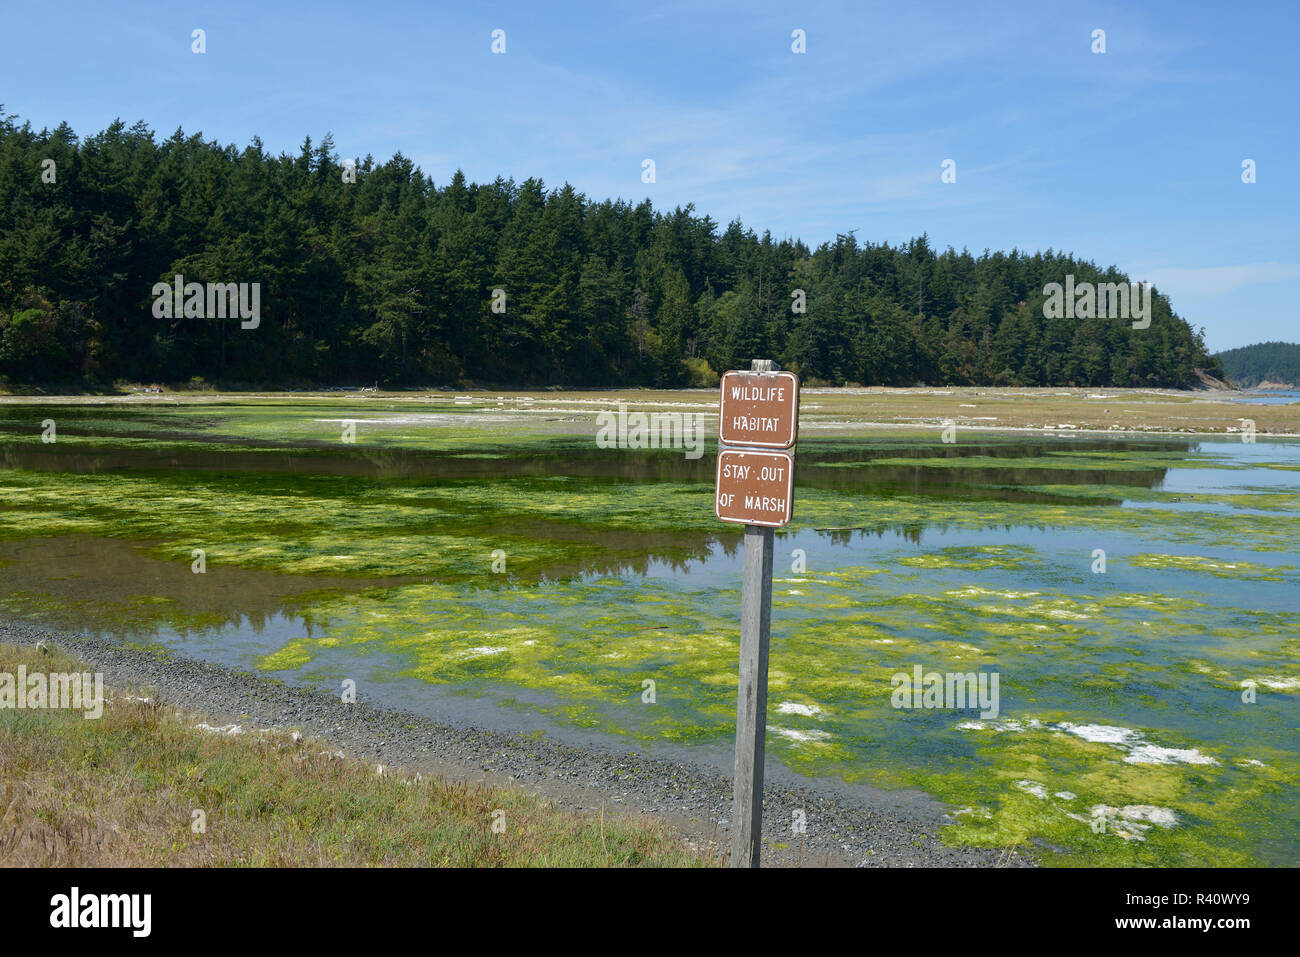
<point>754,488</point>
<point>760,409</point>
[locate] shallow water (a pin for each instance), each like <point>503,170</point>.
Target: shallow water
<point>1118,689</point>
<point>1278,397</point>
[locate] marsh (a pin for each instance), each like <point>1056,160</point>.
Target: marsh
<point>1124,685</point>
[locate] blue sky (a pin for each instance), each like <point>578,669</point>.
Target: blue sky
<point>1132,157</point>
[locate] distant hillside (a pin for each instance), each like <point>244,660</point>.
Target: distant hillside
<point>1274,363</point>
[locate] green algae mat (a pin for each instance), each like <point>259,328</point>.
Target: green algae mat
<point>1138,600</point>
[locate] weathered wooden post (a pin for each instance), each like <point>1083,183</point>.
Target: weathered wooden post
<point>758,411</point>
<point>751,697</point>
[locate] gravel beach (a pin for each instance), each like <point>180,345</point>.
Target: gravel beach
<point>847,825</point>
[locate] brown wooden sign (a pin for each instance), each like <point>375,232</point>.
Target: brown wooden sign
<point>759,408</point>
<point>754,487</point>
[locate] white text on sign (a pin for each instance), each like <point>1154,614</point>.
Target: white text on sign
<point>759,409</point>
<point>754,487</point>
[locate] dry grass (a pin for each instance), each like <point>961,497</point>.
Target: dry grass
<point>123,791</point>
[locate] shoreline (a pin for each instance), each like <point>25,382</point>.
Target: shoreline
<point>847,826</point>
<point>827,413</point>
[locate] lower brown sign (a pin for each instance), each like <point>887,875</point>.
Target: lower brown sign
<point>754,488</point>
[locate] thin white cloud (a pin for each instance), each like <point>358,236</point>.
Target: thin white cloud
<point>1218,280</point>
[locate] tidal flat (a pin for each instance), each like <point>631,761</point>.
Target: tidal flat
<point>477,556</point>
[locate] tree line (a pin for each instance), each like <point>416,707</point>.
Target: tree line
<point>369,271</point>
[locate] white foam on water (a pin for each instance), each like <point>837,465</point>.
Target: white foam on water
<point>1139,750</point>
<point>1280,683</point>
<point>793,707</point>
<point>1100,733</point>
<point>482,652</point>
<point>1033,787</point>
<point>1138,819</point>
<point>975,591</point>
<point>1154,754</point>
<point>1065,615</point>
<point>1135,831</point>
<point>1162,816</point>
<point>1127,739</point>
<point>1005,724</point>
<point>802,736</point>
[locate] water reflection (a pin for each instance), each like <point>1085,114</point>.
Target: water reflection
<point>872,469</point>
